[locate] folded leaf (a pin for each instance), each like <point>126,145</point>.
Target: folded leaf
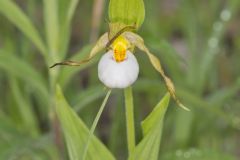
<point>148,148</point>
<point>76,133</point>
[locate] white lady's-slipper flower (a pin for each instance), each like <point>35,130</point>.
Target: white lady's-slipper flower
<point>118,68</point>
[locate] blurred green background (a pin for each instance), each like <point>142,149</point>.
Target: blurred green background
<point>198,43</point>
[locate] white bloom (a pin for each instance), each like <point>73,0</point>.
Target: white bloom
<point>118,68</point>
<point>115,74</point>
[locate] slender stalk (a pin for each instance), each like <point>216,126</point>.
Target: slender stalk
<point>95,122</point>
<point>129,119</point>
<point>55,124</point>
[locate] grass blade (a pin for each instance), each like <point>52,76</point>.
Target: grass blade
<point>51,25</point>
<point>14,14</point>
<point>25,110</point>
<point>24,71</point>
<point>66,11</point>
<point>95,124</point>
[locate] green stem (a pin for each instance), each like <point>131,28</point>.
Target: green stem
<point>95,123</point>
<point>129,119</point>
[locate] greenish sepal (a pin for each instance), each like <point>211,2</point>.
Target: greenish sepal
<point>128,12</point>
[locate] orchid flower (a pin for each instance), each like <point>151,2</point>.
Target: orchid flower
<point>118,67</point>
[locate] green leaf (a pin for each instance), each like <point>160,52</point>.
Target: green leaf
<point>24,71</point>
<point>16,144</point>
<point>148,148</point>
<point>76,133</point>
<point>66,11</point>
<point>51,25</point>
<point>23,107</point>
<point>20,20</point>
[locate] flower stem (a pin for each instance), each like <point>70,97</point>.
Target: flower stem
<point>95,123</point>
<point>129,119</point>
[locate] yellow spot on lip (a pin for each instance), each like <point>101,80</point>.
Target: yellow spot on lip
<point>120,49</point>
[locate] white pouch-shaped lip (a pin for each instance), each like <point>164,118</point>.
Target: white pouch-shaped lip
<point>118,74</point>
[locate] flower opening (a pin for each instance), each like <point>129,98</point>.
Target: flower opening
<point>120,46</point>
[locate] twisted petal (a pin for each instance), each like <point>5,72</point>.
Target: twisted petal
<point>136,40</point>
<point>100,45</point>
<point>118,74</point>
